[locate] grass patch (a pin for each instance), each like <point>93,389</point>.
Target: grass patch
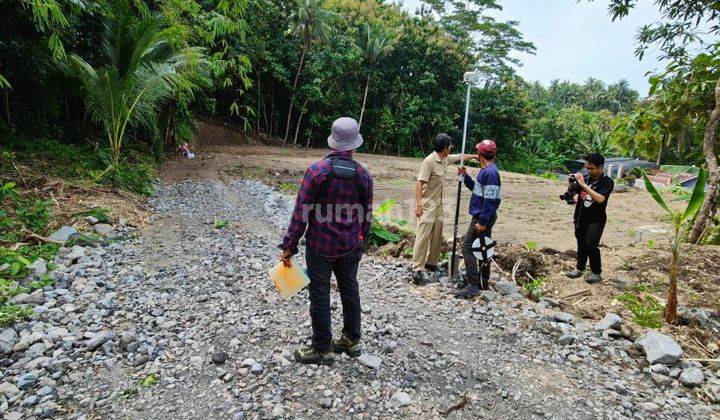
<point>647,310</point>
<point>533,288</point>
<point>149,381</point>
<point>145,382</point>
<point>11,313</point>
<point>15,267</point>
<point>41,283</point>
<point>289,188</point>
<point>75,162</point>
<point>219,224</point>
<point>408,252</point>
<point>102,214</point>
<point>648,287</point>
<point>135,177</point>
<point>246,172</point>
<point>20,213</point>
<point>550,175</point>
<point>531,246</point>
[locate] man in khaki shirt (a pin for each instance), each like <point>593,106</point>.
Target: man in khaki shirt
<point>429,192</point>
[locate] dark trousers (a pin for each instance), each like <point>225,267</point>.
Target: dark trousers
<point>319,269</point>
<point>482,278</point>
<point>588,242</point>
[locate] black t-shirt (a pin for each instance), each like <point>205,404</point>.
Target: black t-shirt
<point>588,211</point>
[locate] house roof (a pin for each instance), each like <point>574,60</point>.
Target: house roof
<point>667,179</point>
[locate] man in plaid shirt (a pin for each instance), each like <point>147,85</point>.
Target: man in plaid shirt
<point>334,206</point>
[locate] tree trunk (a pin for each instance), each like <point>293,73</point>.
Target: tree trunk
<point>7,107</point>
<point>307,144</point>
<point>297,128</point>
<point>661,153</point>
<point>265,116</point>
<point>67,107</point>
<point>272,111</point>
<point>671,307</point>
<point>257,125</point>
<point>115,154</point>
<point>362,110</point>
<point>297,76</point>
<point>712,166</point>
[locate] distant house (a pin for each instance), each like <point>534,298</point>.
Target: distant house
<point>674,175</point>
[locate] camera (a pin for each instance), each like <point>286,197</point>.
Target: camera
<point>573,188</point>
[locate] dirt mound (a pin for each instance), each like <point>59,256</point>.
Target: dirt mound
<point>534,264</point>
<point>217,133</point>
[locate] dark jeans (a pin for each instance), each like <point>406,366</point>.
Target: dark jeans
<point>471,261</point>
<point>319,269</point>
<point>588,242</point>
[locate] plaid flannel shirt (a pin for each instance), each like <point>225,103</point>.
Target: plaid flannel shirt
<point>334,227</point>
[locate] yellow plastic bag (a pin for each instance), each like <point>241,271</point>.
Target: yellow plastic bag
<point>288,281</point>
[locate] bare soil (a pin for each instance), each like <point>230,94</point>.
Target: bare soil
<point>531,215</point>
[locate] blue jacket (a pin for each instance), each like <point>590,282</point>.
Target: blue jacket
<point>486,192</point>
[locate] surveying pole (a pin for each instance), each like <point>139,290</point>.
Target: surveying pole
<point>471,78</point>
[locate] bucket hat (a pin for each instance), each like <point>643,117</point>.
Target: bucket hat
<point>345,134</point>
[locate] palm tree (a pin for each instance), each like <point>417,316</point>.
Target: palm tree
<point>141,73</point>
<point>308,22</point>
<point>378,42</point>
<point>621,96</point>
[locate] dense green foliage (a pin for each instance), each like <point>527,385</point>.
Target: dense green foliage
<point>117,72</point>
<point>287,69</point>
<point>20,214</point>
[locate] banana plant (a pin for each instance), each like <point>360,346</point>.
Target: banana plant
<point>680,221</point>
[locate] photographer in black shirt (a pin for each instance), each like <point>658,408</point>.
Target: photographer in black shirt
<point>593,191</point>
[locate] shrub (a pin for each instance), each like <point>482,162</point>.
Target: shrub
<point>647,311</point>
<point>379,233</point>
<point>135,177</point>
<point>533,288</point>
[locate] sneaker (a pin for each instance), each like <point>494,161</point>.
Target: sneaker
<point>432,268</point>
<point>308,355</point>
<point>347,346</point>
<point>460,281</point>
<point>469,291</point>
<point>420,278</point>
<point>574,274</point>
<point>593,278</point>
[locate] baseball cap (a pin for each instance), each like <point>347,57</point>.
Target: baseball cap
<point>487,147</point>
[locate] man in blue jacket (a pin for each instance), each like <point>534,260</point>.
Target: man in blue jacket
<point>484,203</point>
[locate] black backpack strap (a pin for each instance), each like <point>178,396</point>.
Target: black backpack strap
<point>345,169</point>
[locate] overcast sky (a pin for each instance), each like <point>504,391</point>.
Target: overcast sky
<point>577,40</point>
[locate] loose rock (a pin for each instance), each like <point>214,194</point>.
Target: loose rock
<point>400,399</point>
<point>610,321</point>
<point>692,377</point>
<point>659,348</point>
<point>62,234</point>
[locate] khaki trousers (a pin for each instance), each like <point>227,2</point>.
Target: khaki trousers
<point>428,238</point>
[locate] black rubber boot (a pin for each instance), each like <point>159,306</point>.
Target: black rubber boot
<point>420,278</point>
<point>469,291</point>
